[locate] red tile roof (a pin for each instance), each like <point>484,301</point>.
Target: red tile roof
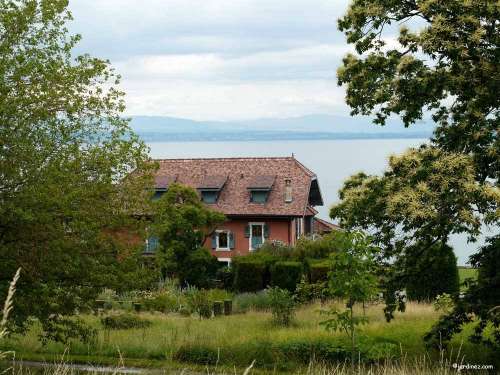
<point>242,173</point>
<point>323,226</point>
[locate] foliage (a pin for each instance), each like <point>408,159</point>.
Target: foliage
<point>314,248</point>
<point>444,62</point>
<point>199,302</point>
<point>352,277</point>
<point>259,301</point>
<point>480,303</point>
<point>65,157</point>
<point>225,275</point>
<point>318,271</point>
<point>286,275</point>
<point>308,292</point>
<point>248,274</point>
<point>434,271</point>
<point>182,223</point>
<point>124,321</point>
<point>425,196</point>
<point>443,302</point>
<point>282,306</point>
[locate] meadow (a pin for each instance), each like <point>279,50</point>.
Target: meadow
<point>237,340</point>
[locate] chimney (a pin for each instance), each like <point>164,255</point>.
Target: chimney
<point>288,191</point>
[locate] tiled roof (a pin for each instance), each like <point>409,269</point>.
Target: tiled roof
<point>212,182</point>
<point>242,173</point>
<point>162,181</point>
<point>261,183</point>
<point>323,226</point>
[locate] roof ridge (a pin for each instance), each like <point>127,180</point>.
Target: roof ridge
<point>231,158</point>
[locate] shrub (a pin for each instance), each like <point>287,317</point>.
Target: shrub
<point>443,303</point>
<point>199,302</point>
<point>282,306</point>
<point>124,321</point>
<point>161,302</point>
<point>303,351</point>
<point>318,248</point>
<point>433,272</point>
<point>257,301</point>
<point>197,354</point>
<point>308,292</point>
<point>225,276</point>
<point>249,275</point>
<point>286,275</point>
<point>200,269</point>
<point>318,271</point>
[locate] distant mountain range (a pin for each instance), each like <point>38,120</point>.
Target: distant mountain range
<point>164,129</point>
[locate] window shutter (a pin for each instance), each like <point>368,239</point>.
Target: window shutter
<point>247,231</point>
<point>231,240</point>
<point>266,231</point>
<point>214,240</point>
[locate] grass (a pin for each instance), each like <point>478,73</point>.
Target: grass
<point>237,339</point>
<point>465,273</point>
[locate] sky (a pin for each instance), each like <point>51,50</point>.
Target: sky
<point>219,59</point>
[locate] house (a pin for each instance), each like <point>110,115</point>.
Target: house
<point>264,199</point>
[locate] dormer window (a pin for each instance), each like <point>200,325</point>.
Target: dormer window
<point>210,188</point>
<point>260,187</point>
<point>161,185</point>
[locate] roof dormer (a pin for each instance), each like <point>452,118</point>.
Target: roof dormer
<point>210,188</point>
<point>260,188</point>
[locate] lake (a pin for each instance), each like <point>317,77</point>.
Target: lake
<point>332,160</point>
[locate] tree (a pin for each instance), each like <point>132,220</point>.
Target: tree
<point>425,196</point>
<point>353,278</point>
<point>444,62</point>
<point>182,223</point>
<point>431,274</point>
<point>481,302</point>
<point>65,152</point>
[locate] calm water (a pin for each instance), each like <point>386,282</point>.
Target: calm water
<point>332,161</point>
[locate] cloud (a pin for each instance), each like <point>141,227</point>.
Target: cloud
<point>219,59</point>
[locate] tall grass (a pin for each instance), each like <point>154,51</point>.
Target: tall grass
<point>7,308</point>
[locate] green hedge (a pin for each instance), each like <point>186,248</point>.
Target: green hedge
<point>249,275</point>
<point>286,275</point>
<point>318,271</point>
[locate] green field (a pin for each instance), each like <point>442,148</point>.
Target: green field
<point>239,339</point>
<point>466,273</point>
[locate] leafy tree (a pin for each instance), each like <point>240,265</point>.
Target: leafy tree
<point>282,305</point>
<point>481,302</point>
<point>425,196</point>
<point>64,153</point>
<point>182,223</point>
<point>444,62</point>
<point>432,273</point>
<point>353,278</point>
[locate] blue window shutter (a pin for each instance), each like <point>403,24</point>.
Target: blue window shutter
<point>231,240</point>
<point>152,244</point>
<point>214,240</point>
<point>247,231</point>
<point>266,231</point>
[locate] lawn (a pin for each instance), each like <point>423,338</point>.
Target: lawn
<point>238,339</point>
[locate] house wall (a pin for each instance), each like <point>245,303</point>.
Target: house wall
<point>279,229</point>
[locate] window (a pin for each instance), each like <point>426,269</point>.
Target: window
<point>209,196</point>
<point>158,193</point>
<point>222,240</point>
<point>258,196</point>
<point>151,245</point>
<point>257,234</point>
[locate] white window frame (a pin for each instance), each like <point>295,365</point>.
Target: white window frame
<point>228,260</point>
<point>250,248</point>
<point>217,247</point>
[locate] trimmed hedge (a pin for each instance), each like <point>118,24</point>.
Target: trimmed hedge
<point>286,275</point>
<point>249,275</point>
<point>318,271</point>
<point>124,321</point>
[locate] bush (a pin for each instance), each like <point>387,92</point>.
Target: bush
<point>318,271</point>
<point>433,272</point>
<point>286,275</point>
<point>124,321</point>
<point>257,301</point>
<point>197,354</point>
<point>199,302</point>
<point>249,275</point>
<point>321,351</point>
<point>443,303</point>
<point>225,276</point>
<point>200,269</point>
<point>318,248</point>
<point>282,306</point>
<point>308,292</point>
